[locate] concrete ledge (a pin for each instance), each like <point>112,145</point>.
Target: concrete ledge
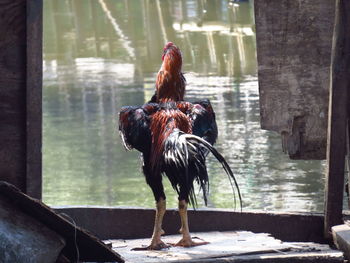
<point>126,223</point>
<point>341,238</point>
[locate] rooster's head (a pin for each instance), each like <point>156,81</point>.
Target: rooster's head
<point>172,57</point>
<point>171,49</point>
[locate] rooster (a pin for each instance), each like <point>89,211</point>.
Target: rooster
<point>174,137</point>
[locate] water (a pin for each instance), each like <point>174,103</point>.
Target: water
<point>102,54</point>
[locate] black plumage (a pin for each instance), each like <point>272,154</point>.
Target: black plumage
<point>174,137</point>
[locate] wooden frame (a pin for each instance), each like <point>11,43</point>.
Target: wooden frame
<point>338,117</point>
<point>34,98</point>
<point>20,94</point>
<point>128,223</point>
<point>29,123</point>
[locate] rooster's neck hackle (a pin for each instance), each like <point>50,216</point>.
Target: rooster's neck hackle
<point>172,59</point>
<point>170,83</point>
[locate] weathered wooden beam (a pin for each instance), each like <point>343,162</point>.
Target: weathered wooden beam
<point>90,248</point>
<point>12,91</point>
<point>294,40</point>
<point>125,222</point>
<point>34,98</point>
<point>347,163</point>
<point>338,114</point>
<point>25,239</point>
<point>20,94</point>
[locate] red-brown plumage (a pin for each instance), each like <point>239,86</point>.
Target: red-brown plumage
<point>184,106</point>
<point>162,125</point>
<point>170,83</point>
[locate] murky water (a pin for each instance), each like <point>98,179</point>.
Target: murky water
<point>102,54</point>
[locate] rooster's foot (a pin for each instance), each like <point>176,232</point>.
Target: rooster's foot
<point>153,246</point>
<point>188,242</point>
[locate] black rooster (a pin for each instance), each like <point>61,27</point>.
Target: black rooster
<point>174,138</point>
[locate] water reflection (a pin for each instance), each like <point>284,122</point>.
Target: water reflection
<point>102,54</point>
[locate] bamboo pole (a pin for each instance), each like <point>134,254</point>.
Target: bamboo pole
<point>338,114</point>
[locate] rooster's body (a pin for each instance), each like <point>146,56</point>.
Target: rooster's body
<point>174,138</point>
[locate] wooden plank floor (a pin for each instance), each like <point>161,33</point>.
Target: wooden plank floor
<point>242,246</point>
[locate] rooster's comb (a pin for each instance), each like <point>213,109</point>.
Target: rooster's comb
<point>168,45</point>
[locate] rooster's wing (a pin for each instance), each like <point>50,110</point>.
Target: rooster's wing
<point>134,126</point>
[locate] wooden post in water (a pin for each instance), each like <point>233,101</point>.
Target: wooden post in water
<point>338,115</point>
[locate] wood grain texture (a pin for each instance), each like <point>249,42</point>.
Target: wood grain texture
<point>338,116</point>
<point>13,91</point>
<point>90,248</point>
<point>20,94</point>
<point>294,50</point>
<point>126,223</point>
<point>24,239</point>
<point>34,98</point>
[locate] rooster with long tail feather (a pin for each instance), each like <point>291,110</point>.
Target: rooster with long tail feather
<point>174,138</point>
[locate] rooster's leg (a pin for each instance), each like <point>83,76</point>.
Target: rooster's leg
<point>155,182</point>
<point>156,242</point>
<point>186,240</point>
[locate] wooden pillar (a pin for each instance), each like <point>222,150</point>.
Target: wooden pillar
<point>338,114</point>
<point>347,162</point>
<point>20,94</point>
<point>294,43</point>
<point>34,98</point>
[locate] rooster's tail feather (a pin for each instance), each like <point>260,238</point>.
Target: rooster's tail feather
<point>186,152</point>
